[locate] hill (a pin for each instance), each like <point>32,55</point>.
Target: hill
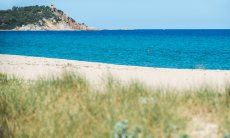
<point>38,18</point>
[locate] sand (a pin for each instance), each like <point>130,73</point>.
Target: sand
<point>31,68</point>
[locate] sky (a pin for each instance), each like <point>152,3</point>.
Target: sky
<point>140,14</point>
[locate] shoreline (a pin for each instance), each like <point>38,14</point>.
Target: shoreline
<point>30,68</point>
<point>42,30</point>
<point>111,64</point>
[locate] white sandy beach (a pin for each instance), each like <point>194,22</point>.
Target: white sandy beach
<point>34,67</point>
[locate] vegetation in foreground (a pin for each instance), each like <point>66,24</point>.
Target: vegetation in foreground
<point>68,107</point>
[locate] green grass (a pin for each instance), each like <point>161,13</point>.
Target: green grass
<point>69,107</point>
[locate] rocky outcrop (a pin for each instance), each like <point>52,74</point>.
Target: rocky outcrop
<point>49,24</point>
<point>38,18</point>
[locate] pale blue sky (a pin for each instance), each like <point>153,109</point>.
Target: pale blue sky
<point>141,14</point>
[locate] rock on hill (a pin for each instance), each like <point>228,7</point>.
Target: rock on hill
<point>38,18</point>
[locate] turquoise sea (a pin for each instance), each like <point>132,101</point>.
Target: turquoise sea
<point>207,49</point>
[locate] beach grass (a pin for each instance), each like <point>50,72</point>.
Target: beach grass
<point>67,106</point>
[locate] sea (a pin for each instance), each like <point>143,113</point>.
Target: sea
<point>182,49</point>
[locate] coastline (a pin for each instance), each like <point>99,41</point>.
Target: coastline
<point>32,68</point>
<point>42,30</point>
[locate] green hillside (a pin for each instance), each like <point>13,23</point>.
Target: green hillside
<point>18,16</point>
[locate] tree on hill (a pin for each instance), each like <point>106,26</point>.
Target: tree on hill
<point>18,16</point>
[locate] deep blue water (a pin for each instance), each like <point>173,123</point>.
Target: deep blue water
<point>209,49</point>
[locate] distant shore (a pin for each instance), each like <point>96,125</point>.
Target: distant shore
<point>34,67</point>
<point>43,30</point>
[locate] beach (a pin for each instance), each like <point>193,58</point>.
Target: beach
<point>32,68</point>
<point>152,69</point>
